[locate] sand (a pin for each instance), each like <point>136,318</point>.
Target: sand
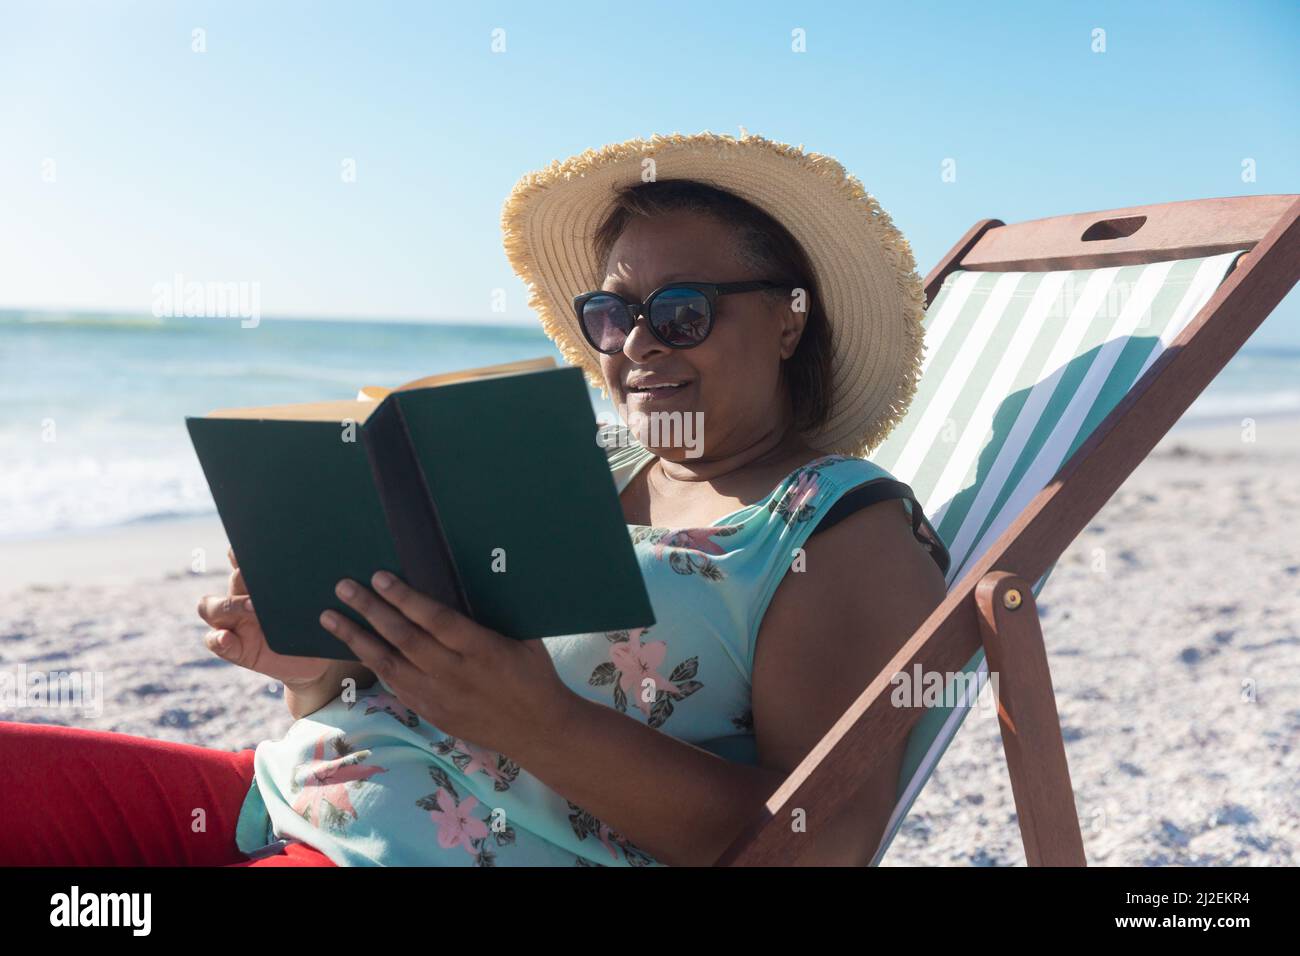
<point>1173,632</point>
<point>1172,624</point>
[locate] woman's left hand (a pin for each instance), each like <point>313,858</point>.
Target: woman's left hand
<point>465,679</point>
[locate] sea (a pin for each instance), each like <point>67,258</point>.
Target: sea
<point>93,430</point>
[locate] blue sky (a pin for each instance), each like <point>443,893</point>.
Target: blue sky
<point>226,165</point>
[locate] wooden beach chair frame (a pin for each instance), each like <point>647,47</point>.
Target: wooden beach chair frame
<point>993,604</point>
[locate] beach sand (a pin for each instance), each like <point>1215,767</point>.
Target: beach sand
<point>1172,625</point>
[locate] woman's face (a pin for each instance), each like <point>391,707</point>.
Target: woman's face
<point>732,379</point>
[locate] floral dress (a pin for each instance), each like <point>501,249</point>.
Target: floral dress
<point>369,782</point>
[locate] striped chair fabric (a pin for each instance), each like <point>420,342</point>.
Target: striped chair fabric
<point>1019,369</point>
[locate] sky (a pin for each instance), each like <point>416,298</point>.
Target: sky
<point>133,149</point>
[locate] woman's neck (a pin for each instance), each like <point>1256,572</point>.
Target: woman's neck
<point>780,445</point>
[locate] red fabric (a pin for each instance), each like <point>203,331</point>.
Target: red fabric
<point>75,797</point>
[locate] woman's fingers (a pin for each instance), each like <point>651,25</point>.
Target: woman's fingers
<point>453,629</point>
<point>221,642</point>
<point>230,646</point>
<point>237,585</point>
<point>388,665</point>
<point>229,611</point>
<point>237,637</point>
<point>410,639</point>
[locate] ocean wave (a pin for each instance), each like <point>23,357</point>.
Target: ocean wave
<point>1244,404</point>
<point>92,492</point>
<point>82,321</point>
<point>345,380</point>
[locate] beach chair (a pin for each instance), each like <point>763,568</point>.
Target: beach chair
<point>1058,353</point>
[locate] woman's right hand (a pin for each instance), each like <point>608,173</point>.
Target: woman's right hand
<point>236,636</point>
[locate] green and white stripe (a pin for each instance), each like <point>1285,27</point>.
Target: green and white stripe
<point>1019,369</point>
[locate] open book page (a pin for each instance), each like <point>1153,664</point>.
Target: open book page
<point>339,411</point>
<point>369,397</point>
<point>377,393</point>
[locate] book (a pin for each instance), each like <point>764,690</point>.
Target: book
<point>485,489</point>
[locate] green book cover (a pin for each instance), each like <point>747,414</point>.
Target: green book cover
<point>491,495</point>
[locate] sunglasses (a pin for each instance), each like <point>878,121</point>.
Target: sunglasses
<point>680,314</point>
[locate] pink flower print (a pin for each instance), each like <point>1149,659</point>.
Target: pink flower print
<point>631,663</point>
<point>585,825</point>
<point>607,836</point>
<point>480,759</point>
<point>455,820</point>
<point>688,550</point>
<point>695,539</point>
<point>637,663</point>
<point>383,701</point>
<point>386,702</point>
<point>796,503</point>
<point>324,797</point>
<point>804,490</point>
<point>470,759</point>
<point>455,825</point>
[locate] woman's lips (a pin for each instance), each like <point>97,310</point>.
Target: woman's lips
<point>658,396</point>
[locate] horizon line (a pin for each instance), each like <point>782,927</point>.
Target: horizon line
<point>1290,348</point>
<point>287,317</point>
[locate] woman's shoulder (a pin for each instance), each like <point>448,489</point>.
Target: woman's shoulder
<point>825,478</point>
<point>817,495</point>
<point>845,468</point>
<point>839,486</point>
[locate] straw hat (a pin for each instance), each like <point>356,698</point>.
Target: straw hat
<point>863,268</point>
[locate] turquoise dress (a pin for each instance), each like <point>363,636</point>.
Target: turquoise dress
<point>368,782</point>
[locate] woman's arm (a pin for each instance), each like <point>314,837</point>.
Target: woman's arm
<point>680,804</point>
<point>827,633</point>
<point>305,699</point>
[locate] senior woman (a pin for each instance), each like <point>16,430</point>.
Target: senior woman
<point>761,291</point>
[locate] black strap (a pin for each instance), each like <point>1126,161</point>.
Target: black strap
<point>885,489</point>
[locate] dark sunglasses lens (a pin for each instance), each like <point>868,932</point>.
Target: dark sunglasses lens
<point>681,316</point>
<point>607,322</point>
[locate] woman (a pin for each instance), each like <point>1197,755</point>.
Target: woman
<point>761,292</point>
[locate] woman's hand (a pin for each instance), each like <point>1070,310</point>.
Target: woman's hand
<point>236,636</point>
<point>467,680</point>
